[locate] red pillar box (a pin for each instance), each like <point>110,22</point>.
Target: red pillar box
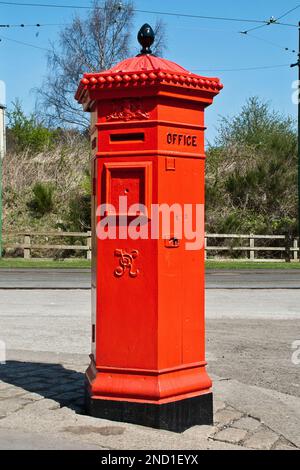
<point>148,339</point>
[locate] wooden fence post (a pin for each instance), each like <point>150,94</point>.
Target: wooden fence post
<point>252,245</point>
<point>288,246</point>
<point>89,245</point>
<point>295,245</point>
<point>27,251</point>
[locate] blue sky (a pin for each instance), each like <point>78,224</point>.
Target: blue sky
<point>206,46</point>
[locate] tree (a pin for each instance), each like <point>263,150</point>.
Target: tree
<point>27,132</point>
<point>252,173</point>
<point>93,43</point>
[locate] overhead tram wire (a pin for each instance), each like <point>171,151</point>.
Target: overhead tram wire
<point>204,69</point>
<point>274,44</point>
<point>262,23</point>
<point>258,27</point>
<point>24,43</point>
<point>262,67</point>
<point>271,21</point>
<point>288,12</point>
<point>234,32</point>
<point>46,5</point>
<point>36,25</point>
<point>164,13</point>
<point>220,18</point>
<point>41,25</point>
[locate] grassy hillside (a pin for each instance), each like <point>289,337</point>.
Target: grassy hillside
<point>49,189</point>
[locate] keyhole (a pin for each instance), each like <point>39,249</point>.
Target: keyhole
<point>175,241</point>
<point>126,191</point>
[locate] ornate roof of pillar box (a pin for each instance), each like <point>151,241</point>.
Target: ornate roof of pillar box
<point>146,70</point>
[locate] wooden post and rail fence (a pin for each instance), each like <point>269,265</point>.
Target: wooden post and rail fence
<point>29,244</point>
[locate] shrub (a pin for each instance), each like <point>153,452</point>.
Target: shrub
<point>42,200</point>
<point>27,133</point>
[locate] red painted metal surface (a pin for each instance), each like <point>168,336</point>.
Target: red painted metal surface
<point>147,137</point>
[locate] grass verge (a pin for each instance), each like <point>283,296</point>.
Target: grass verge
<point>11,263</point>
<point>232,265</point>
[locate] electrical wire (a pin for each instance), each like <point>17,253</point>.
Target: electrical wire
<point>257,27</point>
<point>227,31</point>
<point>24,43</point>
<point>263,67</point>
<point>46,5</point>
<point>207,69</point>
<point>288,12</point>
<point>272,20</point>
<point>220,18</point>
<point>274,44</point>
<point>183,15</point>
<point>37,25</point>
<point>40,25</point>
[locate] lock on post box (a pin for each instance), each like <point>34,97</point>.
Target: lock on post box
<point>148,328</point>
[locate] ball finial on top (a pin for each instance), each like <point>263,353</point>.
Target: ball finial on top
<point>146,38</point>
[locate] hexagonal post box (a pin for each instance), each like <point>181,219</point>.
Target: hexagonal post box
<point>148,328</point>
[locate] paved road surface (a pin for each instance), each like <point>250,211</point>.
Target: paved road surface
<point>45,279</point>
<point>249,333</point>
<point>249,351</point>
<point>80,279</point>
<point>253,279</point>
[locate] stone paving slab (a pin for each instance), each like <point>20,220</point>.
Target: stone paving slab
<point>11,439</point>
<point>34,401</point>
<point>277,411</point>
<point>247,423</point>
<point>226,416</point>
<point>232,435</point>
<point>262,439</point>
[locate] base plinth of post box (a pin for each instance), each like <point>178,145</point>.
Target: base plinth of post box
<point>172,400</point>
<point>176,416</point>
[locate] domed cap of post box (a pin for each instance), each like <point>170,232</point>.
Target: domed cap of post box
<point>146,70</point>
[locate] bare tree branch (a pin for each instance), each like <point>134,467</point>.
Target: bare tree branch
<point>89,44</point>
<point>93,43</point>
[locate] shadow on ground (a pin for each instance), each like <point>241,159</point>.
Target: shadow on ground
<point>51,381</point>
